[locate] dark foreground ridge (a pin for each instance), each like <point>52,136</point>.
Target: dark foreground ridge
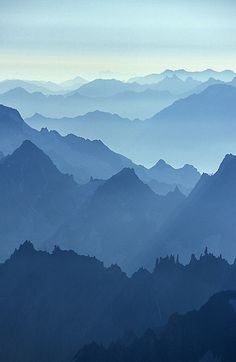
<point>53,304</point>
<point>204,335</point>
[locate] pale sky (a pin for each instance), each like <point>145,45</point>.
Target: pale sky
<point>60,39</point>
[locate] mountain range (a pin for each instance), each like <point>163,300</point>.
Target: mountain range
<point>207,217</point>
<point>50,207</point>
<point>127,248</point>
<point>128,103</point>
<point>197,336</point>
<point>81,157</point>
<point>128,100</point>
<point>52,304</point>
<point>203,76</point>
<point>41,86</point>
<point>115,225</point>
<point>35,197</point>
<point>184,125</point>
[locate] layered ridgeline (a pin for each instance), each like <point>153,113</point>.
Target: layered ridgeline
<point>112,219</point>
<point>127,103</point>
<point>178,132</point>
<point>36,198</point>
<point>45,87</point>
<point>206,335</point>
<point>81,157</point>
<point>84,158</point>
<point>207,217</point>
<point>119,220</point>
<point>132,99</point>
<point>203,76</point>
<point>52,304</point>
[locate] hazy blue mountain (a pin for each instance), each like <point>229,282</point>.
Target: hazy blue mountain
<point>207,217</point>
<point>198,124</point>
<point>92,124</point>
<point>52,304</point>
<point>1,155</point>
<point>35,197</point>
<point>175,85</point>
<point>186,176</point>
<point>95,125</point>
<point>115,226</point>
<point>184,125</point>
<point>41,86</point>
<point>196,336</point>
<point>162,188</point>
<point>29,86</point>
<point>131,99</point>
<point>128,103</point>
<point>72,83</point>
<point>75,155</point>
<point>13,130</point>
<point>204,85</point>
<point>214,103</point>
<point>106,88</point>
<point>203,76</point>
<point>111,87</point>
<point>138,104</point>
<point>28,103</point>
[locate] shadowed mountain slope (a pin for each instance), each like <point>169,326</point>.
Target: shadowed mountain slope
<point>52,304</point>
<point>207,217</point>
<point>122,215</point>
<point>75,155</point>
<point>35,197</point>
<point>204,335</point>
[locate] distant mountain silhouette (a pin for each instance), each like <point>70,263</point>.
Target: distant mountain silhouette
<point>133,101</point>
<point>41,86</point>
<point>214,103</point>
<point>91,125</point>
<point>71,154</point>
<point>52,304</point>
<point>129,102</point>
<point>175,85</point>
<point>1,155</point>
<point>184,125</point>
<point>35,197</point>
<point>204,335</point>
<point>12,129</point>
<point>186,176</point>
<point>200,88</point>
<point>121,217</point>
<point>188,123</point>
<point>207,217</point>
<point>29,86</point>
<point>73,83</point>
<point>106,88</point>
<point>203,76</point>
<point>109,127</point>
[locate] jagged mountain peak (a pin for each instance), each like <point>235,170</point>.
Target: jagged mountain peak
<point>31,168</point>
<point>29,152</point>
<point>125,179</point>
<point>161,165</point>
<point>25,249</point>
<point>228,164</point>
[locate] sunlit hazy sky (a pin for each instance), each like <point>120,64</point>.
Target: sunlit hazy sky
<point>60,39</point>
